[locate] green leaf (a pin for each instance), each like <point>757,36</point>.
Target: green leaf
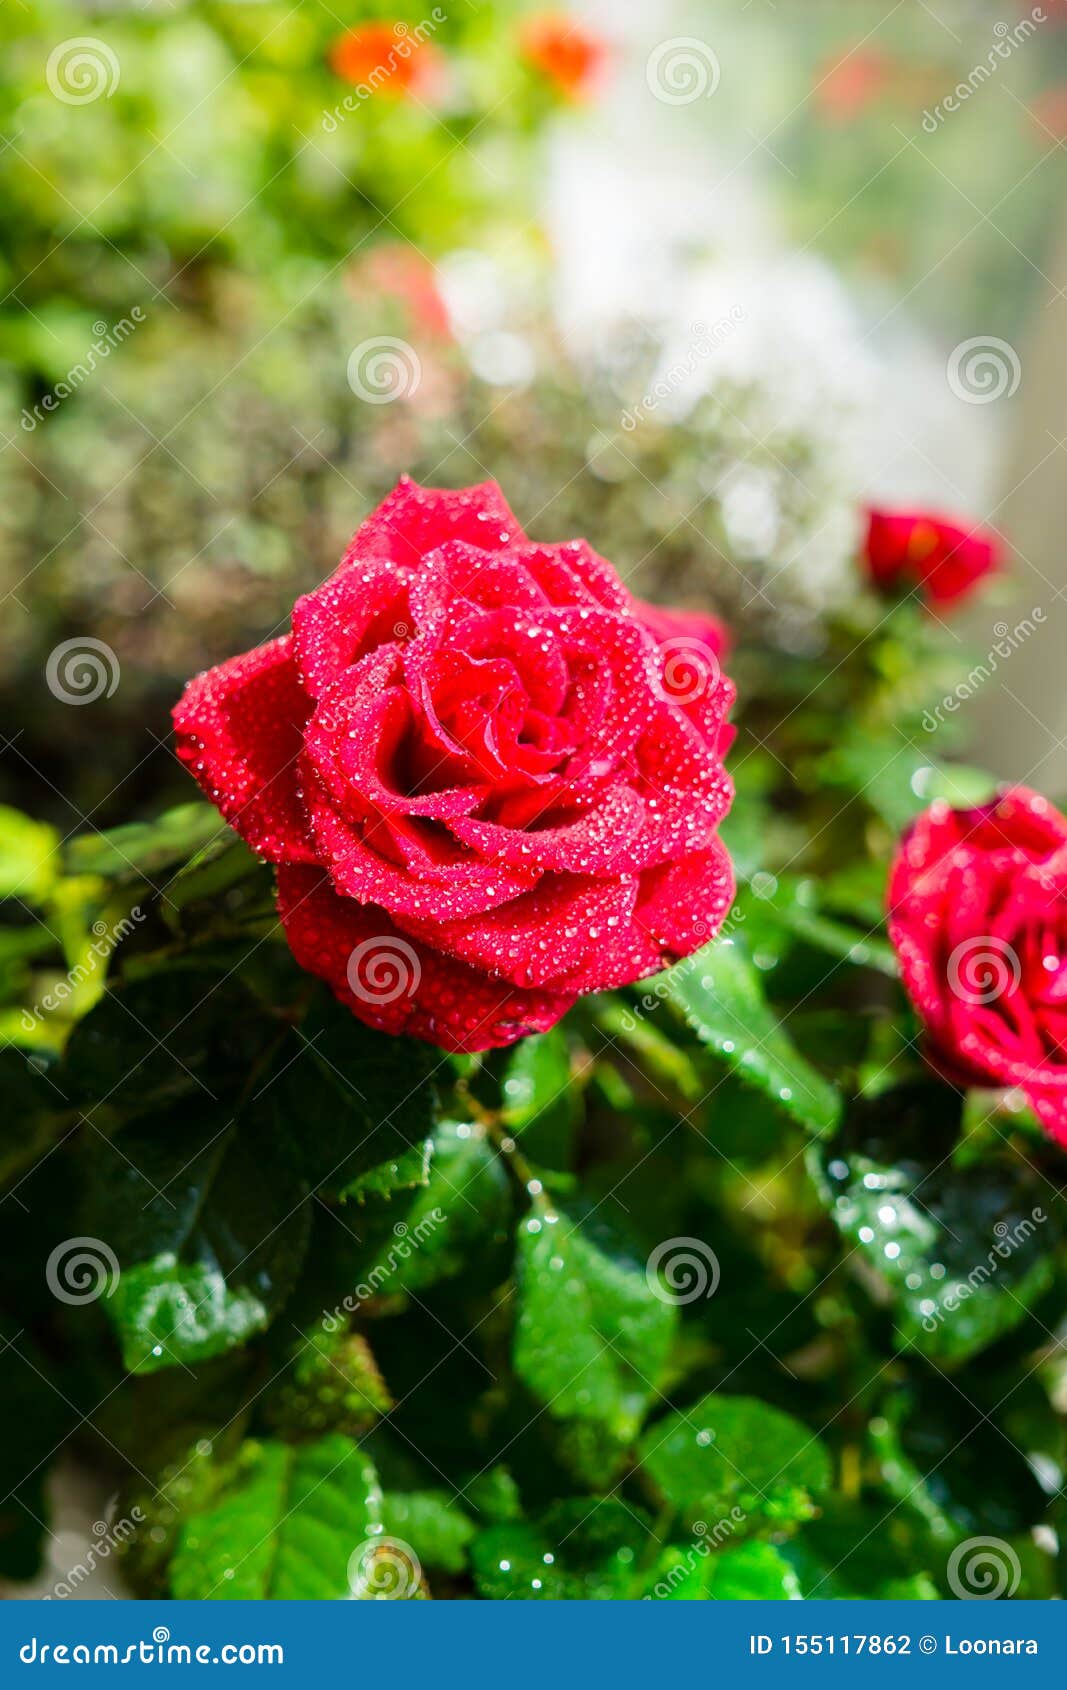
<point>439,1230</point>
<point>953,1461</point>
<point>734,1459</point>
<point>142,850</point>
<point>364,1101</point>
<point>186,1032</point>
<point>857,1550</point>
<point>748,1572</point>
<point>29,859</point>
<point>960,1253</point>
<point>332,1384</point>
<point>584,1549</point>
<point>898,779</point>
<point>718,991</point>
<point>494,1495</point>
<point>410,1169</point>
<point>223,862</point>
<point>592,1337</point>
<point>286,1527</point>
<point>540,1099</point>
<point>793,902</point>
<point>434,1525</point>
<point>209,1221</point>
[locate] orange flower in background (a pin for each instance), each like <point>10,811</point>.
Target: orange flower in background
<point>565,52</point>
<point>386,58</point>
<point>845,87</point>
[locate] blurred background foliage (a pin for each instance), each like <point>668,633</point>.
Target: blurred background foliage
<point>214,462</point>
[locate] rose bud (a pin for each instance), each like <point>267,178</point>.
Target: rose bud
<point>904,551</point>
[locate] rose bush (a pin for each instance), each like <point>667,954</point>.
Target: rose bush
<point>978,916</point>
<point>490,779</point>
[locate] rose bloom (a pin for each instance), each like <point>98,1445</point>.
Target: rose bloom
<point>385,58</point>
<point>564,52</point>
<point>978,917</point>
<point>904,550</point>
<point>490,779</point>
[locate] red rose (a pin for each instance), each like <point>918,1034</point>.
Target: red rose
<point>978,916</point>
<point>905,551</point>
<point>466,760</point>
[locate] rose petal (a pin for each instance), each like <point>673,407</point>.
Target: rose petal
<point>239,733</point>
